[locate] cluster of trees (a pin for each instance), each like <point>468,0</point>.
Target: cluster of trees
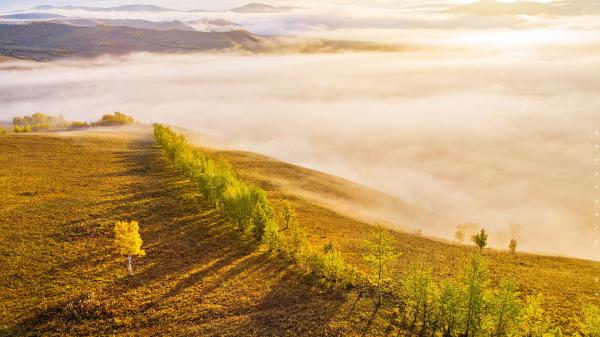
<point>463,306</point>
<point>246,205</point>
<point>480,239</point>
<point>114,119</point>
<point>38,122</point>
<point>466,305</point>
<point>42,122</point>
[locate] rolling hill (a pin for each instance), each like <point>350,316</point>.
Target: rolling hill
<point>198,278</point>
<point>48,41</point>
<point>124,8</point>
<point>260,8</point>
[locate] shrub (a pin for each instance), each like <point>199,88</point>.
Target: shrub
<point>590,321</point>
<point>449,316</point>
<point>22,129</point>
<point>2,131</point>
<point>298,241</point>
<point>534,322</point>
<point>271,237</point>
<point>86,307</point>
<point>504,310</point>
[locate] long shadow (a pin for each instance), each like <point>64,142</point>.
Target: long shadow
<point>190,249</point>
<point>294,308</point>
<point>370,321</point>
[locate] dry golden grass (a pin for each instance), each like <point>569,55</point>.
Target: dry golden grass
<point>566,283</point>
<point>59,275</point>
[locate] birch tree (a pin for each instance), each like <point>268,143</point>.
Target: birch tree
<point>380,252</point>
<point>128,241</point>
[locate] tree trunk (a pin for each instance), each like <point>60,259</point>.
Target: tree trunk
<point>129,265</point>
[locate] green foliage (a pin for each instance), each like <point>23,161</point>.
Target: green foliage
<point>590,321</point>
<point>380,252</point>
<point>246,205</point>
<point>534,322</point>
<point>22,129</point>
<point>449,317</point>
<point>271,236</point>
<point>335,269</point>
<point>556,332</point>
<point>37,122</point>
<point>480,240</point>
<point>2,131</point>
<point>421,297</point>
<point>115,119</point>
<point>79,125</point>
<point>288,213</point>
<point>504,310</point>
<point>474,281</point>
<point>298,241</point>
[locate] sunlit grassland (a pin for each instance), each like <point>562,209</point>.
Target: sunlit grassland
<point>59,200</point>
<point>567,284</point>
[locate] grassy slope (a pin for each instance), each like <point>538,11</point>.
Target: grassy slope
<point>59,199</point>
<point>566,283</point>
<point>60,196</point>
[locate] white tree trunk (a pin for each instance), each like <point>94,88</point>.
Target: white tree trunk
<point>129,266</point>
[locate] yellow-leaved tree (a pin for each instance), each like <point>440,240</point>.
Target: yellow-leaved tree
<point>128,241</point>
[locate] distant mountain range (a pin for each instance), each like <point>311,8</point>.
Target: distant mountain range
<point>249,8</point>
<point>260,8</point>
<point>31,16</point>
<point>48,41</point>
<point>143,24</point>
<point>125,8</point>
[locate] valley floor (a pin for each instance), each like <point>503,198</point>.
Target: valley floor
<point>59,276</point>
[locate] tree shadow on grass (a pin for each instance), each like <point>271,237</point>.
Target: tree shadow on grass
<point>197,269</point>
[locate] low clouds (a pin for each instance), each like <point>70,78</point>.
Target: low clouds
<point>497,140</point>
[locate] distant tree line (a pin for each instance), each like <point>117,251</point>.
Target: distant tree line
<point>463,306</point>
<point>42,122</point>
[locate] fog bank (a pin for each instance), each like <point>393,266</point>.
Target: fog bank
<point>505,140</point>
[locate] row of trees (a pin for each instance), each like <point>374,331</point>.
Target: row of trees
<point>462,306</point>
<point>246,205</point>
<point>42,122</point>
